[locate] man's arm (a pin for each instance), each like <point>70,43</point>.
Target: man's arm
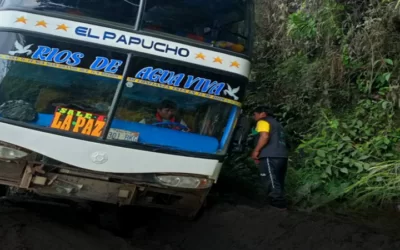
<point>262,141</point>
<point>263,129</point>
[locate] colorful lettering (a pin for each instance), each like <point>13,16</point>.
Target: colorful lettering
<point>44,53</point>
<point>109,66</point>
<point>98,128</point>
<point>67,122</point>
<point>87,130</point>
<point>197,84</point>
<point>56,121</point>
<point>126,39</point>
<point>78,122</point>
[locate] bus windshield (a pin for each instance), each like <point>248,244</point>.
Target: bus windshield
<point>67,88</point>
<point>223,24</point>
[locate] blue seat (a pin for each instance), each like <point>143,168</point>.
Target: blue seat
<point>149,134</point>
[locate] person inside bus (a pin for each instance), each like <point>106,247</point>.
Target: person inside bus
<point>165,116</point>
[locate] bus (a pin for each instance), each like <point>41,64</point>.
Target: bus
<point>125,102</point>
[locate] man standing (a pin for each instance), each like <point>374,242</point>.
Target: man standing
<point>271,154</point>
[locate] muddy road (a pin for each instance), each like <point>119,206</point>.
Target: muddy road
<point>40,227</point>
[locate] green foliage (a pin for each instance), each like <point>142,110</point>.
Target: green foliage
<point>312,27</point>
<point>380,186</point>
<point>342,150</point>
<point>376,79</point>
<point>330,71</point>
<point>302,26</point>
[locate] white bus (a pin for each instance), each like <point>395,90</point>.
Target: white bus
<point>128,102</point>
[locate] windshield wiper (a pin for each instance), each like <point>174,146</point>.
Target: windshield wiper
<point>127,1</point>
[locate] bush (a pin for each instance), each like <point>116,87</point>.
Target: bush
<point>344,154</point>
<point>330,71</point>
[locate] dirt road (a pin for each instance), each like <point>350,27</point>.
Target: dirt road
<point>224,227</point>
<point>32,230</point>
<point>243,228</point>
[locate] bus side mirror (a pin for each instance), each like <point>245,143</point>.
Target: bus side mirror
<point>240,134</point>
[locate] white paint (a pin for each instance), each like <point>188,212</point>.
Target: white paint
<point>80,153</point>
<point>217,171</point>
<point>232,92</point>
<point>20,49</point>
<point>9,17</point>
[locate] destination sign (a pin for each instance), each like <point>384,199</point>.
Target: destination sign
<point>80,122</point>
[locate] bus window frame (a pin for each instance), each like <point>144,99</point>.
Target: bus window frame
<point>129,28</point>
<point>139,16</point>
<point>249,18</point>
<point>84,19</point>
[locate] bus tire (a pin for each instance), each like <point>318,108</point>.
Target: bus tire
<point>196,214</point>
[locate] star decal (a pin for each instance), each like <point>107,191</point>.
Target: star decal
<point>62,27</point>
<point>41,23</point>
<point>21,19</point>
<point>200,56</point>
<point>235,64</point>
<point>218,60</point>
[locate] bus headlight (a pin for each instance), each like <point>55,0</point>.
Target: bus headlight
<point>184,181</point>
<point>11,153</point>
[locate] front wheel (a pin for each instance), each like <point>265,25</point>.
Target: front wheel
<point>196,214</point>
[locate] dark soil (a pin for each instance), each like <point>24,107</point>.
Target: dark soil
<point>242,227</point>
<point>224,226</point>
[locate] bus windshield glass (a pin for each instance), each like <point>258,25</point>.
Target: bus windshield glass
<point>219,23</point>
<point>118,11</point>
<point>68,89</point>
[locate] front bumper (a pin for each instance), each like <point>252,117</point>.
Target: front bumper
<point>68,182</point>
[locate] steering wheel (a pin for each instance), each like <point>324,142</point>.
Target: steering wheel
<point>172,125</point>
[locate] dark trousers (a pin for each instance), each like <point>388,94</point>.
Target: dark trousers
<point>273,173</point>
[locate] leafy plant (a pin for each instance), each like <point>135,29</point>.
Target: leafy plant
<point>342,150</point>
<point>330,71</point>
<point>379,187</point>
<point>301,25</point>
